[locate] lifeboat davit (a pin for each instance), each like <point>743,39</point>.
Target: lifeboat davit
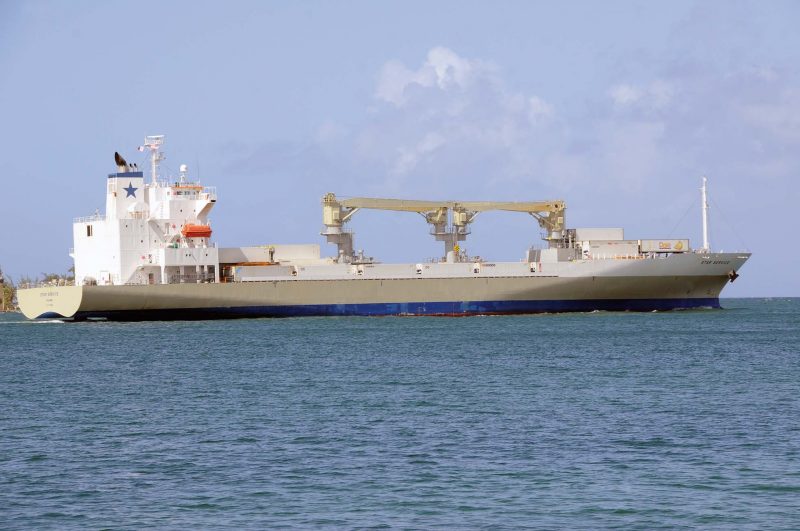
<point>196,231</point>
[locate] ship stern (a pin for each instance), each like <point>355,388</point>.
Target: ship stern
<point>52,302</point>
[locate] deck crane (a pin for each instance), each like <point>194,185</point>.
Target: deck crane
<point>549,214</point>
<point>449,220</point>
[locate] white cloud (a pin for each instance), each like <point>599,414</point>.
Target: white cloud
<point>625,94</point>
<point>450,68</point>
<point>451,118</point>
<point>654,96</point>
<point>539,111</point>
<point>443,69</point>
<point>392,82</point>
<point>408,158</point>
<point>454,122</point>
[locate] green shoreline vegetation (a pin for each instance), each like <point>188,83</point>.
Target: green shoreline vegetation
<point>8,299</point>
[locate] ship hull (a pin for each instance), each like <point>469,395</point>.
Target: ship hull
<point>630,287</point>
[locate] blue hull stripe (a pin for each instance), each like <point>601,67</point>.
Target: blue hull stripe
<point>409,308</point>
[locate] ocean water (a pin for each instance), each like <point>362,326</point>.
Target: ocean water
<point>600,420</point>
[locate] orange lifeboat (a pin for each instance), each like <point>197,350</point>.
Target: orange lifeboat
<point>196,231</point>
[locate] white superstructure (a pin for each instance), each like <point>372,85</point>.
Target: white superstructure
<point>151,233</point>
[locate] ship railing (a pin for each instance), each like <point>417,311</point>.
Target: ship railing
<point>163,245</point>
<point>618,257</point>
<point>206,190</point>
<point>87,219</point>
<point>706,251</point>
<point>188,278</point>
<point>48,284</point>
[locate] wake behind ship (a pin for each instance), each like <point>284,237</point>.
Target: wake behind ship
<point>151,256</point>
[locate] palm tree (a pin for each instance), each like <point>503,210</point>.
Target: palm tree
<point>6,293</point>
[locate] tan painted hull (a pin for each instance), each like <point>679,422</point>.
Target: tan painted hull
<point>361,296</point>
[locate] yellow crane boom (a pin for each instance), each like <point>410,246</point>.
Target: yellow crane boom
<point>336,212</point>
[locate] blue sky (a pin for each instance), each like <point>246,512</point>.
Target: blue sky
<point>616,107</point>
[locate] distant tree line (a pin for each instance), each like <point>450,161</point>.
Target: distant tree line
<point>7,293</point>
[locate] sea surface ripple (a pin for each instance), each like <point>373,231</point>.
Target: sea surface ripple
<point>644,421</point>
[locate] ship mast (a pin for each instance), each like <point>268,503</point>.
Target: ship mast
<point>704,194</point>
<point>153,143</point>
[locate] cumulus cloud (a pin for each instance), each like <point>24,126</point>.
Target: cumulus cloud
<point>625,94</point>
<point>443,69</point>
<point>409,157</point>
<point>454,121</point>
<point>452,118</point>
<point>653,96</point>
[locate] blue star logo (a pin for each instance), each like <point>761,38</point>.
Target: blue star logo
<point>131,191</point>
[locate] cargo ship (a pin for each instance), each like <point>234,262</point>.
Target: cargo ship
<point>151,256</point>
